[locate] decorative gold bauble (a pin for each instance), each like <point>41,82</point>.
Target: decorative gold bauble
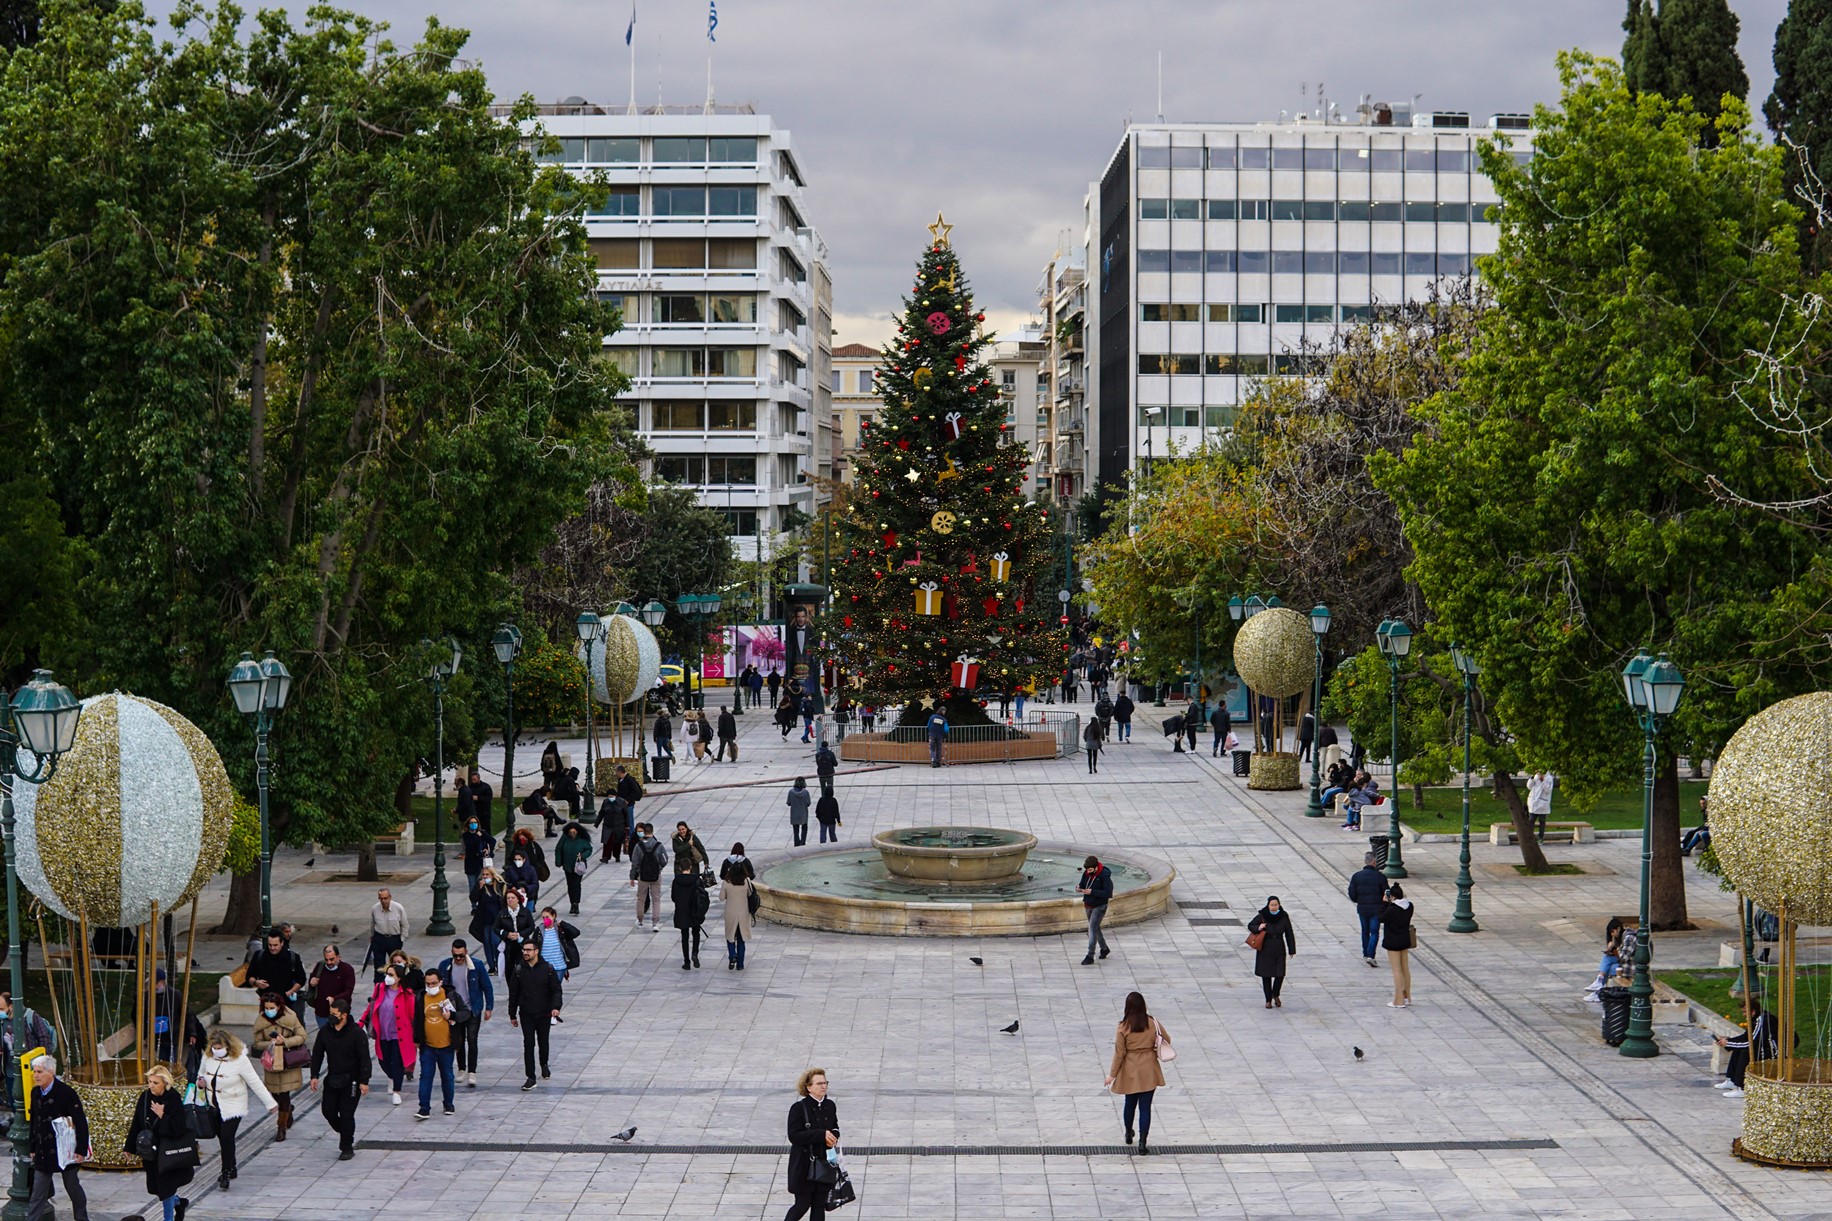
<point>1272,772</point>
<point>1786,1123</point>
<point>1275,653</point>
<point>942,522</point>
<point>626,663</point>
<point>1770,820</point>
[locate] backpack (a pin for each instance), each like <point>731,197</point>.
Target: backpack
<point>649,869</point>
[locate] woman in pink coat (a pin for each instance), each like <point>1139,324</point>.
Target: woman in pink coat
<point>389,1019</point>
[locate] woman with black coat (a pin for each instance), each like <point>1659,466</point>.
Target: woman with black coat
<point>690,907</point>
<point>160,1112</point>
<point>1269,960</point>
<point>1396,939</point>
<point>814,1128</point>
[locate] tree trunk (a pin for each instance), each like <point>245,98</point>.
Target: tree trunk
<point>366,870</point>
<point>1531,854</point>
<point>242,914</point>
<point>1666,873</point>
<point>1418,796</point>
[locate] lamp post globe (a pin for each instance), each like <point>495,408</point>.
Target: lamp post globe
<point>1236,608</point>
<point>653,613</point>
<point>259,689</point>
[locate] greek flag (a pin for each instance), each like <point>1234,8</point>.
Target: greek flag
<point>712,20</point>
<point>630,33</point>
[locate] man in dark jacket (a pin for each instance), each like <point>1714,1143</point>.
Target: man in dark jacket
<point>1096,891</point>
<point>629,789</point>
<point>467,977</point>
<point>54,1099</point>
<point>775,681</point>
<point>1122,715</point>
<point>534,1002</point>
<point>1307,728</point>
<point>825,764</point>
<point>647,861</point>
<point>613,827</point>
<point>1367,888</point>
<point>342,1052</point>
<point>484,796</point>
<point>938,734</point>
<point>1103,708</point>
<point>728,734</point>
<point>566,788</point>
<point>690,908</point>
<point>278,969</point>
<point>663,733</point>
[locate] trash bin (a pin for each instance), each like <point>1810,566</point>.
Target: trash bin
<point>1377,844</point>
<point>1243,762</point>
<point>658,767</point>
<point>1616,1000</point>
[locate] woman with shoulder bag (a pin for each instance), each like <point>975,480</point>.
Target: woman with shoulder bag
<point>277,1031</point>
<point>1270,936</point>
<point>1397,938</point>
<point>1139,1044</point>
<point>161,1139</point>
<point>735,876</point>
<point>225,1080</point>
<point>814,1128</point>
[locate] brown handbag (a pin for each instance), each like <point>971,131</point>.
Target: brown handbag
<point>1256,939</point>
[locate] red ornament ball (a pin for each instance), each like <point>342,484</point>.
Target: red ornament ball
<point>939,322</point>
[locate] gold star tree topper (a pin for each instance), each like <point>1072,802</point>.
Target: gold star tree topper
<point>939,230</point>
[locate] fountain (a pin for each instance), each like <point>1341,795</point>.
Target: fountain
<point>943,881</point>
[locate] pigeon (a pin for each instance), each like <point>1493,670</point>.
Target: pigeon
<point>1011,1029</point>
<point>310,861</point>
<point>333,930</point>
<point>1359,1054</point>
<point>625,1135</point>
<point>978,962</point>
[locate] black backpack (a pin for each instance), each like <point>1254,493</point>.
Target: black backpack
<point>650,867</point>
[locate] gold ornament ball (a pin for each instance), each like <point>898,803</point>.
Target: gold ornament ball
<point>942,522</point>
<point>1770,821</point>
<point>1275,653</point>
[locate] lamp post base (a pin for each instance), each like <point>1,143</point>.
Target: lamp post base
<point>1314,807</point>
<point>1462,922</point>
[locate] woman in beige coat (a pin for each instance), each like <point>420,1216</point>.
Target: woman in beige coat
<point>277,1028</point>
<point>1134,1071</point>
<point>735,876</point>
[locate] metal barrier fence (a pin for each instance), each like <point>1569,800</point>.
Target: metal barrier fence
<point>1051,736</point>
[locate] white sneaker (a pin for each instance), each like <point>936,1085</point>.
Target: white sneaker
<point>394,1097</point>
<point>472,1081</point>
<point>1394,1005</point>
<point>639,924</point>
<point>1725,1084</point>
<point>1733,1092</point>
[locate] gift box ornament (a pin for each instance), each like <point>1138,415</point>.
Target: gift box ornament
<point>965,673</point>
<point>1001,566</point>
<point>928,598</point>
<point>953,425</point>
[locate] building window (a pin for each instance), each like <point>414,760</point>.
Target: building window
<point>1421,213</point>
<point>731,253</point>
<point>621,359</point>
<point>740,522</point>
<point>1421,160</point>
<point>680,252</point>
<point>1421,263</point>
<point>614,253</point>
<point>568,151</point>
<point>731,469</point>
<point>617,302</point>
<point>1287,262</point>
<point>676,416</point>
<point>1453,264</point>
<point>1319,209</point>
<point>839,376</point>
<point>1214,364</point>
<point>1319,313</point>
<point>680,308</point>
<point>680,150</point>
<point>1387,211</point>
<point>1287,209</point>
<point>1386,263</point>
<point>731,150</point>
<point>1218,415</point>
<point>865,379</point>
<point>1253,262</point>
<point>680,362</point>
<point>731,201</point>
<point>792,270</point>
<point>1384,160</point>
<point>1353,160</point>
<point>729,309</point>
<point>1152,415</point>
<point>1221,209</point>
<point>1453,213</point>
<point>731,416</point>
<point>1288,313</point>
<point>680,201</point>
<point>1169,363</point>
<point>1255,158</point>
<point>1357,313</point>
<point>1170,313</point>
<point>612,150</point>
<point>731,362</point>
<point>1287,158</point>
<point>1255,209</point>
<point>1221,158</point>
<point>1353,209</point>
<point>680,468</point>
<point>1219,261</point>
<point>1154,209</point>
<point>1186,209</point>
<point>1352,262</point>
<point>1234,313</point>
<point>1453,161</point>
<point>1319,262</point>
<point>1319,158</point>
<point>1154,260</point>
<point>1008,381</point>
<point>1252,366</point>
<point>1162,158</point>
<point>1186,260</point>
<point>620,201</point>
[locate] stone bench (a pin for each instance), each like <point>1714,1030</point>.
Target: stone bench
<point>1502,833</point>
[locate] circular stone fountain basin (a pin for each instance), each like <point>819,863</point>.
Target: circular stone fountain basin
<point>854,891</point>
<point>953,855</point>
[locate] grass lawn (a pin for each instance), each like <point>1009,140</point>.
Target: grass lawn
<point>1710,987</point>
<point>1617,810</point>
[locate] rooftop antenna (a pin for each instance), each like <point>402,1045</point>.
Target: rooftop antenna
<point>1160,86</point>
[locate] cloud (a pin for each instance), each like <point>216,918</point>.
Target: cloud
<point>1000,113</point>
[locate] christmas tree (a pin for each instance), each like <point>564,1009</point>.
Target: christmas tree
<point>942,585</point>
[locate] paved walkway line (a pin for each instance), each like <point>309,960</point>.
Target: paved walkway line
<point>1412,1146</point>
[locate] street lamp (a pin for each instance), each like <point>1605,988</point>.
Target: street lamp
<point>1236,608</point>
<point>592,631</point>
<point>1653,687</point>
<point>260,689</point>
<point>1191,601</point>
<point>653,613</point>
<point>1395,641</point>
<point>1255,605</point>
<point>43,716</point>
<point>1319,628</point>
<point>507,641</point>
<point>1463,920</point>
<point>441,667</point>
<point>700,608</point>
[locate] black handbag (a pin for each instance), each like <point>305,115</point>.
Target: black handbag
<point>820,1170</point>
<point>841,1192</point>
<point>751,900</point>
<point>144,1148</point>
<point>184,1157</point>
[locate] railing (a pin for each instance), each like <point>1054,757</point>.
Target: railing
<point>1042,735</point>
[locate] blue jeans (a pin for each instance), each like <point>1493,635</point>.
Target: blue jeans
<point>441,1059</point>
<point>1095,936</point>
<point>170,1205</point>
<point>734,950</point>
<point>830,831</point>
<point>1330,794</point>
<point>1125,731</point>
<point>1141,1102</point>
<point>1370,933</point>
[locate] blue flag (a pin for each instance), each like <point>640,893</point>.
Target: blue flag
<point>712,19</point>
<point>630,33</point>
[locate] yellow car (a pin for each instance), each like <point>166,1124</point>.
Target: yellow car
<point>674,674</point>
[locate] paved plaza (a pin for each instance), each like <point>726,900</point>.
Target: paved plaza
<point>1492,1096</point>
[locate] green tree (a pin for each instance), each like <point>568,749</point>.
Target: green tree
<point>1799,112</point>
<point>935,518</point>
<point>685,548</point>
<point>293,315</point>
<point>1558,505</point>
<point>1688,49</point>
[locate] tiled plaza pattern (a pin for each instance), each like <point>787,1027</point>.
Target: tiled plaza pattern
<point>1493,1096</point>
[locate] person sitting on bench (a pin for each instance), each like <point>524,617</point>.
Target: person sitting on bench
<point>1365,793</point>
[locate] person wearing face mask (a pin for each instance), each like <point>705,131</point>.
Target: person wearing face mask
<point>389,1020</point>
<point>478,845</point>
<point>520,873</point>
<point>466,976</point>
<point>515,928</point>
<point>227,1079</point>
<point>330,979</point>
<point>278,1030</point>
<point>814,1128</point>
<point>559,942</point>
<point>1273,927</point>
<point>437,1016</point>
<point>160,1114</point>
<point>488,898</point>
<point>573,855</point>
<point>342,1054</point>
<point>690,908</point>
<point>535,998</point>
<point>408,968</point>
<point>648,861</point>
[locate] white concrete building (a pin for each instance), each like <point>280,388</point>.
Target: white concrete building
<point>705,245</point>
<point>1219,249</point>
<point>1015,364</point>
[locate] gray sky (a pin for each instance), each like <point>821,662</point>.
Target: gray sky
<point>1000,113</point>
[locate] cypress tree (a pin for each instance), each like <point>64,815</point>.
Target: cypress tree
<point>1686,49</point>
<point>1799,112</point>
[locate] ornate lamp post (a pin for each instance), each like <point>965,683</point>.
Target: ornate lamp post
<point>1653,687</point>
<point>1463,920</point>
<point>43,716</point>
<point>507,641</point>
<point>1395,641</point>
<point>700,608</point>
<point>1319,628</point>
<point>260,689</point>
<point>652,613</point>
<point>442,666</point>
<point>592,631</point>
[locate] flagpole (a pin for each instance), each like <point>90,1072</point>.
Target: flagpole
<point>629,39</point>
